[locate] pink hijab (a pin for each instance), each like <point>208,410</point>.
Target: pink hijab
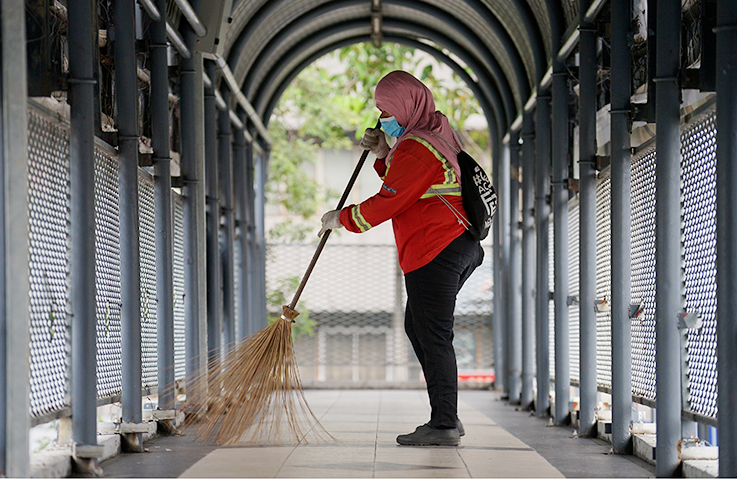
<point>411,102</point>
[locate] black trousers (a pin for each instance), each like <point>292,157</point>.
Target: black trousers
<point>428,321</point>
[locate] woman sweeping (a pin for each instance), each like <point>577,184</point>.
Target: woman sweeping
<point>421,194</point>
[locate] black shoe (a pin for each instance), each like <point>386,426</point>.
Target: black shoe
<point>461,430</point>
<point>426,435</point>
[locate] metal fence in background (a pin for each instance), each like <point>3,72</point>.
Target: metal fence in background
<point>698,165</point>
<point>48,153</point>
<point>698,152</point>
<point>355,301</point>
<point>48,156</point>
<point>603,281</point>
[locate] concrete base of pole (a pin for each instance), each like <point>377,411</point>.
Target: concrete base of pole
<point>132,442</point>
<point>86,467</point>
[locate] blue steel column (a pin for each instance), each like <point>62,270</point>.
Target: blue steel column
<point>587,237</point>
<point>192,168</point>
<point>225,157</point>
<point>250,245</point>
<point>82,234</point>
<point>500,347</point>
<point>560,248</point>
<point>241,226</point>
<point>726,33</point>
<point>126,88</point>
<point>514,324</point>
<point>14,226</point>
<point>260,176</point>
<point>162,208</point>
<point>213,219</point>
<point>668,257</point>
<point>528,259</point>
<point>621,15</point>
<point>503,213</point>
<point>542,222</point>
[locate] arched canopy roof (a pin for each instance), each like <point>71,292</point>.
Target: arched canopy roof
<point>507,44</point>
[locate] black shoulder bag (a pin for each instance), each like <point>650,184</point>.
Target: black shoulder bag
<point>479,196</point>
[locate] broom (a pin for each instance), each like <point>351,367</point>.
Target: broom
<point>255,394</point>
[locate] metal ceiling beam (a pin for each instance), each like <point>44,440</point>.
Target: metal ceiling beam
<point>263,88</point>
<point>318,14</point>
<point>501,33</point>
<point>491,106</point>
<point>534,33</point>
<point>488,87</point>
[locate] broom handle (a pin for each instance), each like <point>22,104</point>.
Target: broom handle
<point>324,239</point>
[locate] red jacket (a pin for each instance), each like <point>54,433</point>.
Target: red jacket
<point>423,224</point>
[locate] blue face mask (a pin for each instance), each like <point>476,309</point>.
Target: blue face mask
<point>391,127</point>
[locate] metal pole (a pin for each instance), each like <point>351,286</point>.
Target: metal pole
<point>260,175</point>
<point>213,219</point>
<point>668,257</point>
<point>14,279</point>
<point>587,238</point>
<point>189,12</point>
<point>241,225</point>
<point>82,18</point>
<point>126,83</point>
<point>504,230</point>
<point>499,281</point>
<point>250,231</point>
<point>192,141</point>
<point>528,260</point>
<point>225,159</point>
<point>560,249</point>
<point>162,208</point>
<point>621,241</point>
<point>515,276</point>
<point>542,221</point>
<point>726,34</point>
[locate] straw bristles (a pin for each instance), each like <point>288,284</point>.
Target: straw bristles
<point>255,394</point>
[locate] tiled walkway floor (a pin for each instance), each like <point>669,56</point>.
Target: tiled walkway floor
<point>365,424</point>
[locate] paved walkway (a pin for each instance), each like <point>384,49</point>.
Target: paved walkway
<point>366,423</point>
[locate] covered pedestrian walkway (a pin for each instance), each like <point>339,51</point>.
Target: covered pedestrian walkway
<point>134,161</point>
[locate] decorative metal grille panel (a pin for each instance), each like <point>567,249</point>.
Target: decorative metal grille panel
<point>149,364</point>
<point>574,274</point>
<point>107,273</point>
<point>178,273</point>
<point>355,303</point>
<point>603,281</point>
<point>698,150</point>
<point>643,273</point>
<point>48,166</point>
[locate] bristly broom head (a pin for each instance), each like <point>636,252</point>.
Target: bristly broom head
<point>255,394</point>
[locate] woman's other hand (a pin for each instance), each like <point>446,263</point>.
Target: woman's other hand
<point>330,221</point>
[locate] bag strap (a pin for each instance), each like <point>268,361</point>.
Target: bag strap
<point>446,142</point>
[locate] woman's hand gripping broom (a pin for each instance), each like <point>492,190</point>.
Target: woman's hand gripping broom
<point>255,394</point>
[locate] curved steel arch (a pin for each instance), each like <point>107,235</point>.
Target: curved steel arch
<point>494,76</point>
<point>520,72</point>
<point>502,34</point>
<point>534,32</point>
<point>257,90</point>
<point>491,106</point>
<point>276,74</point>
